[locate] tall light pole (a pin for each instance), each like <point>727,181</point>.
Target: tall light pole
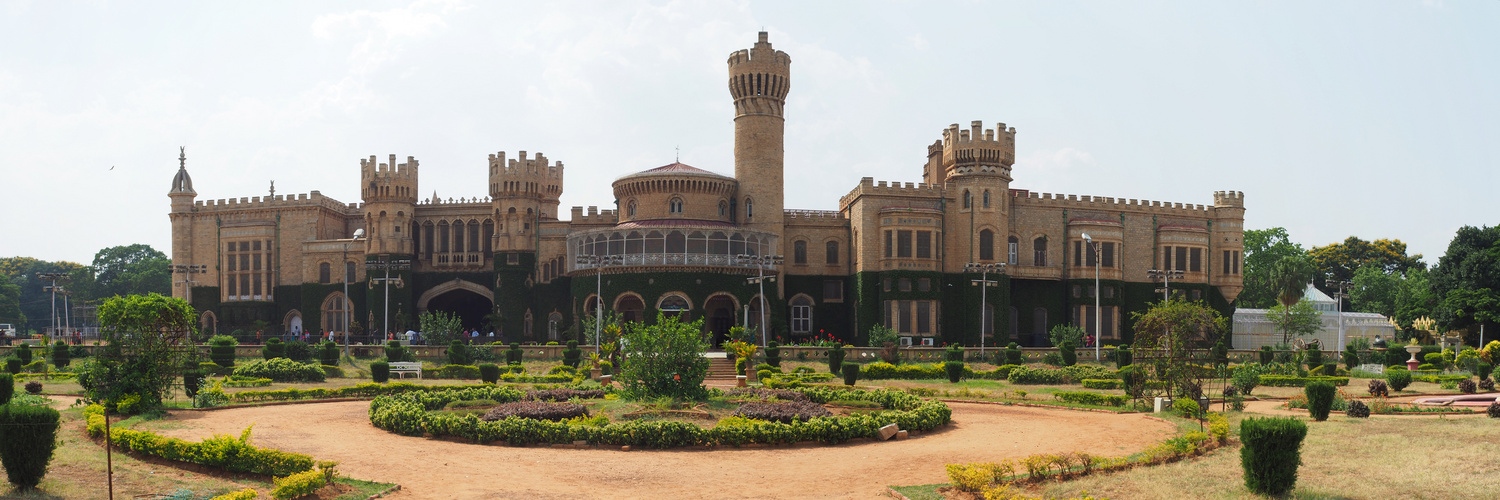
<point>1165,275</point>
<point>387,264</point>
<point>348,304</point>
<point>598,262</point>
<point>1341,292</point>
<point>187,271</point>
<point>1098,292</point>
<point>54,278</point>
<point>761,261</point>
<point>984,283</point>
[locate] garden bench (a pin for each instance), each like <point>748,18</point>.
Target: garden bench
<point>401,367</point>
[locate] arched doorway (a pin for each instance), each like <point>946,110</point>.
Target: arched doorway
<point>471,308</point>
<point>720,310</point>
<point>292,323</point>
<point>630,308</point>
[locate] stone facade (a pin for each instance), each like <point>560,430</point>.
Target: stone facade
<point>683,240</point>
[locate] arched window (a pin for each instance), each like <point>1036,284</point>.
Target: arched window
<point>675,206</point>
<point>325,273</point>
<point>334,317</point>
<point>986,198</point>
<point>674,305</point>
<point>1039,321</point>
<point>799,252</point>
<point>1012,249</point>
<point>1015,323</point>
<point>833,252</point>
<point>986,245</point>
<point>801,314</point>
<point>630,209</point>
<point>553,320</point>
<point>723,209</point>
<point>1039,251</point>
<point>526,325</point>
<point>967,199</point>
<point>749,208</point>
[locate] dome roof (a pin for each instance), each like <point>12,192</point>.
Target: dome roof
<point>182,183</point>
<point>674,169</point>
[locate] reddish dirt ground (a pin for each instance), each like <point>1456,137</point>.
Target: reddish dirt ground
<point>429,468</point>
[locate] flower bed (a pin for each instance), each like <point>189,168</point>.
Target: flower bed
<point>785,412</point>
<point>411,413</point>
<point>539,410</point>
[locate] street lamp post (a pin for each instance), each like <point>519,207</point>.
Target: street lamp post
<point>54,278</point>
<point>761,261</point>
<point>1342,292</point>
<point>1098,292</point>
<point>598,262</point>
<point>1165,275</point>
<point>984,282</point>
<point>349,305</point>
<point>387,265</point>
<point>187,271</point>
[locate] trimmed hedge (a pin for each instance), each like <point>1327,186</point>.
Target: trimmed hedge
<point>60,356</point>
<point>1398,379</point>
<point>1319,399</point>
<point>380,371</point>
<point>364,390</point>
<point>411,414</point>
<point>785,412</point>
<point>1095,383</point>
<point>539,410</point>
<point>851,373</point>
<point>1293,381</point>
<point>1091,398</point>
<point>245,494</point>
<point>1271,454</point>
<point>298,485</point>
<point>221,451</point>
<point>281,370</point>
<point>1438,379</point>
<point>7,387</point>
<point>490,372</point>
<point>221,350</point>
<point>835,358</point>
<point>1064,375</point>
<point>28,436</point>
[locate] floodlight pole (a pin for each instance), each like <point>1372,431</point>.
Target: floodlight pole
<point>761,261</point>
<point>1166,276</point>
<point>984,283</point>
<point>1342,293</point>
<point>1098,293</point>
<point>54,278</point>
<point>348,305</point>
<point>599,261</point>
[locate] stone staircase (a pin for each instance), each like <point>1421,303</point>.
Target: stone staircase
<point>720,370</point>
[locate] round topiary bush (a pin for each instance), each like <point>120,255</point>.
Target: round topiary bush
<point>380,371</point>
<point>33,387</point>
<point>490,372</point>
<point>1271,454</point>
<point>773,354</point>
<point>1013,354</point>
<point>1319,399</point>
<point>1487,385</point>
<point>328,353</point>
<point>835,358</point>
<point>1266,355</point>
<point>1069,355</point>
<point>1123,356</point>
<point>1398,378</point>
<point>298,351</point>
<point>273,349</point>
<point>955,370</point>
<point>221,349</point>
<point>1358,409</point>
<point>851,373</point>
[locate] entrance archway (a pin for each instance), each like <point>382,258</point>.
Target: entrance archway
<point>471,308</point>
<point>720,310</point>
<point>631,308</point>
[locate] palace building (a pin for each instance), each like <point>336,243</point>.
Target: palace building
<point>685,240</point>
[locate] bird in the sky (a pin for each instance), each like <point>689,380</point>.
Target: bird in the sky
<point>111,167</point>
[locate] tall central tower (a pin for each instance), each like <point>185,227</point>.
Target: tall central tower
<point>759,79</point>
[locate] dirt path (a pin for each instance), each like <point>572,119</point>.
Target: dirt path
<point>427,468</point>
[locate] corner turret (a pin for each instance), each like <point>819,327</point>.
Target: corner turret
<point>525,191</point>
<point>759,80</point>
<point>389,191</point>
<point>976,151</point>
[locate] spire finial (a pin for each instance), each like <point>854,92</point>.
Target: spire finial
<point>273,188</point>
<point>679,153</point>
<point>182,157</point>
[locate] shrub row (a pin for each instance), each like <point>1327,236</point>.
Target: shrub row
<point>540,410</point>
<point>408,414</point>
<point>563,394</point>
<point>881,370</point>
<point>1292,381</point>
<point>354,391</point>
<point>1438,379</point>
<point>281,370</point>
<point>760,393</point>
<point>785,412</point>
<point>1096,383</point>
<point>1090,398</point>
<point>298,485</point>
<point>236,381</point>
<point>221,451</point>
<point>245,494</point>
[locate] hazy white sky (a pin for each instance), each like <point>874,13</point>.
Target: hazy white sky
<point>1372,119</point>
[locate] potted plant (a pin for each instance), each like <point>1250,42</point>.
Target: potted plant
<point>595,371</point>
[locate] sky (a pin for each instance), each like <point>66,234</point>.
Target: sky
<point>1336,119</point>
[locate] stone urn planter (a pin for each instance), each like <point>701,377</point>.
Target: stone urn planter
<point>1411,364</point>
<point>605,379</point>
<point>595,373</point>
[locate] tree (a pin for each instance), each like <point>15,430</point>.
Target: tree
<point>147,339</point>
<point>1289,278</point>
<point>1375,291</point>
<point>1165,335</point>
<point>1295,321</point>
<point>1263,247</point>
<point>664,359</point>
<point>35,300</point>
<point>125,270</point>
<point>1066,333</point>
<point>440,328</point>
<point>10,304</point>
<point>1474,306</point>
<point>1340,260</point>
<point>1471,263</point>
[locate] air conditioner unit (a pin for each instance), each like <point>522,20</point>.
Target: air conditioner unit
<point>927,342</point>
<point>905,341</point>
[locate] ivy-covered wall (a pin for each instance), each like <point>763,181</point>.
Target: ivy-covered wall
<point>1028,295</point>
<point>828,317</point>
<point>1138,298</point>
<point>697,286</point>
<point>958,313</point>
<point>402,297</point>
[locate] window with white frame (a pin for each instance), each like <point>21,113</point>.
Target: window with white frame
<point>801,315</point>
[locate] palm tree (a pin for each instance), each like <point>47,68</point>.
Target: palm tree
<point>1289,278</point>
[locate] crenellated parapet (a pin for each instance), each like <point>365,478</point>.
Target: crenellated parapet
<point>1228,199</point>
<point>594,217</point>
<point>314,199</point>
<point>388,181</point>
<point>525,176</point>
<point>814,218</point>
<point>868,186</point>
<point>759,79</point>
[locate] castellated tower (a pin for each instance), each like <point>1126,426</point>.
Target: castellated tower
<point>182,195</point>
<point>974,165</point>
<point>525,191</point>
<point>759,79</point>
<point>390,198</point>
<point>1228,243</point>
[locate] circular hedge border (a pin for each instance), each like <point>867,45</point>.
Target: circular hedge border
<point>407,414</point>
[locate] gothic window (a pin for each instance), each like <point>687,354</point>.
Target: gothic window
<point>749,208</point>
<point>887,243</point>
<point>474,236</point>
<point>801,314</point>
<point>832,252</point>
<point>986,198</point>
<point>967,200</point>
<point>1012,250</point>
<point>986,245</point>
<point>674,305</point>
<point>799,252</point>
<point>334,313</point>
<point>348,272</point>
<point>630,209</point>
<point>675,206</point>
<point>1039,251</point>
<point>723,209</point>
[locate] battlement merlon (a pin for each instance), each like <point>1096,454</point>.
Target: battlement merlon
<point>796,217</point>
<point>303,200</point>
<point>868,186</point>
<point>1229,199</point>
<point>1022,198</point>
<point>978,144</point>
<point>523,166</point>
<point>761,54</point>
<point>594,216</point>
<point>371,168</point>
